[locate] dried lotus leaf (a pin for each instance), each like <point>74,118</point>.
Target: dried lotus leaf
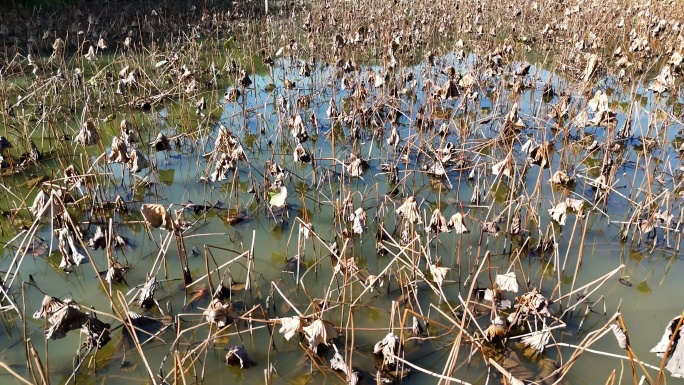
<point>238,356</point>
<point>156,216</point>
<point>88,135</point>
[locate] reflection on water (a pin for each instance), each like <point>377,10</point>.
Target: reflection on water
<point>233,219</point>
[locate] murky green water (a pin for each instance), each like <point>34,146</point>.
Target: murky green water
<point>647,305</point>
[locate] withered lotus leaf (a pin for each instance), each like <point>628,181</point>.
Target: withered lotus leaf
<point>156,216</point>
<point>88,135</point>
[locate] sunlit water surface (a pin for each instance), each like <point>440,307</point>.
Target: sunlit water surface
<point>647,305</point>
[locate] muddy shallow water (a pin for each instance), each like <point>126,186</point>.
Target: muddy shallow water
<point>651,269</point>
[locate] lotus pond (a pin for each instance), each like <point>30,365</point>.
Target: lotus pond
<point>237,207</point>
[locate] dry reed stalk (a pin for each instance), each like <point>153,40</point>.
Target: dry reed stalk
<point>14,374</point>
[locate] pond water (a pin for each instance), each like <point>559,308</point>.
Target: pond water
<point>258,120</point>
